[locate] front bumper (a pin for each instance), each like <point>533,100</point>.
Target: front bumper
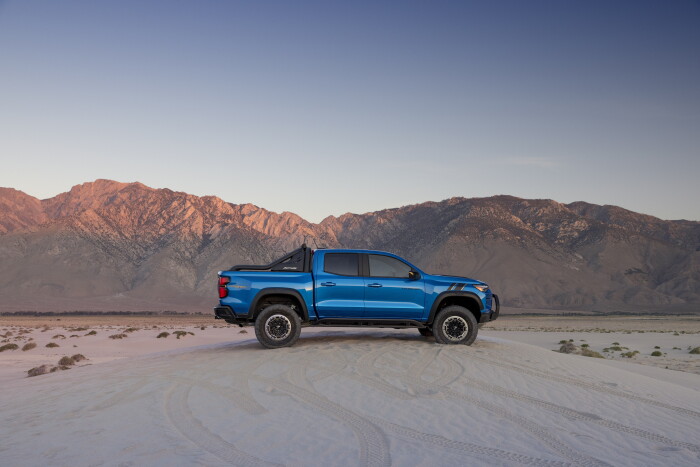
<point>495,311</point>
<point>226,313</point>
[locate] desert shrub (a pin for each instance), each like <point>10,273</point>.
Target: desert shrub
<point>615,343</point>
<point>59,336</point>
<point>695,351</point>
<point>676,333</point>
<point>563,341</point>
<point>74,335</point>
<point>78,329</point>
<point>29,346</point>
<point>242,331</point>
<point>65,361</point>
<point>657,347</point>
<point>39,370</point>
<point>180,334</point>
<point>616,348</point>
<point>629,354</point>
<point>569,347</point>
<point>9,347</point>
<point>78,357</point>
<point>131,329</point>
<point>584,345</point>
<point>656,353</point>
<point>118,336</point>
<point>163,335</point>
<point>52,344</point>
<point>91,333</point>
<point>586,352</point>
<point>203,328</point>
<point>676,348</point>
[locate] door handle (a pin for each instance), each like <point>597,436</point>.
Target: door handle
<point>328,284</point>
<point>374,285</point>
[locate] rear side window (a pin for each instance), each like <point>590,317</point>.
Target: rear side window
<point>344,264</point>
<point>386,266</point>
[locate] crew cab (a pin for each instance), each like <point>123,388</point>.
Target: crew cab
<point>359,288</point>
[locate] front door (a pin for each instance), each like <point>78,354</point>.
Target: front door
<point>389,293</point>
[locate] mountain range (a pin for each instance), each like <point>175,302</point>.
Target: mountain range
<point>106,245</point>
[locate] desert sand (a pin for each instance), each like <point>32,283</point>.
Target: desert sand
<point>345,397</point>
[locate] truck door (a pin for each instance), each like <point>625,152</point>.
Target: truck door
<point>389,292</point>
<point>339,288</point>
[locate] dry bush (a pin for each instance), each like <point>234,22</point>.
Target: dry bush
<point>65,361</point>
<point>695,351</point>
<point>656,353</point>
<point>569,347</point>
<point>131,329</point>
<point>163,335</point>
<point>52,344</point>
<point>29,346</point>
<point>91,333</point>
<point>118,336</point>
<point>59,336</point>
<point>39,370</point>
<point>78,357</point>
<point>180,334</point>
<point>9,347</point>
<point>242,331</point>
<point>586,352</point>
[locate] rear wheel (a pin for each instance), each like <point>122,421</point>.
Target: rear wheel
<point>277,326</point>
<point>455,325</point>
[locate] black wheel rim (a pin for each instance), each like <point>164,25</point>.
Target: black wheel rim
<point>455,328</point>
<point>278,327</point>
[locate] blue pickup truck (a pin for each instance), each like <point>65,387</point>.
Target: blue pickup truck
<point>359,288</point>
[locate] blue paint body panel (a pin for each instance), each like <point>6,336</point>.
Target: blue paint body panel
<point>325,295</point>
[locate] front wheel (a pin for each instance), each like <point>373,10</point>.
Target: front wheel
<point>455,325</point>
<point>277,326</point>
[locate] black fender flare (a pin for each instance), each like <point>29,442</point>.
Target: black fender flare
<point>447,294</point>
<point>278,291</point>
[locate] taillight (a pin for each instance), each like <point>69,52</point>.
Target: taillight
<point>223,291</point>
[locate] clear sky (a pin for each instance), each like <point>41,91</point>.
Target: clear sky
<point>324,107</point>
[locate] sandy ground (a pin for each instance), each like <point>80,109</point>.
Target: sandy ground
<point>345,397</point>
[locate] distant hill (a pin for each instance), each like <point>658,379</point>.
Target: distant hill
<point>106,245</point>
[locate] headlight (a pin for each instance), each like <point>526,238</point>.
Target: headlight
<point>481,288</point>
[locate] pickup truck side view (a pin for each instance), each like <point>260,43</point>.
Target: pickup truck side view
<point>359,288</point>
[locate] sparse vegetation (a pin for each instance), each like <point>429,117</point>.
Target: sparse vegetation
<point>180,334</point>
<point>657,347</point>
<point>78,357</point>
<point>695,351</point>
<point>59,336</point>
<point>629,354</point>
<point>163,335</point>
<point>242,331</point>
<point>29,346</point>
<point>656,353</point>
<point>91,333</point>
<point>9,347</point>
<point>118,336</point>
<point>586,352</point>
<point>615,343</point>
<point>52,344</point>
<point>128,330</point>
<point>584,345</point>
<point>40,370</point>
<point>66,361</point>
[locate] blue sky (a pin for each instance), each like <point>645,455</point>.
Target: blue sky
<point>325,107</point>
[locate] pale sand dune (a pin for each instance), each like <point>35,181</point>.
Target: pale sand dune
<point>350,398</point>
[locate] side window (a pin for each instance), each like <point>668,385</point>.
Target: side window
<point>344,264</point>
<point>386,266</point>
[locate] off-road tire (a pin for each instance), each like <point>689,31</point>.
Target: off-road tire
<point>277,326</point>
<point>425,332</point>
<point>455,325</point>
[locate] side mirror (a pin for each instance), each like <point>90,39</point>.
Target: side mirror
<point>414,275</point>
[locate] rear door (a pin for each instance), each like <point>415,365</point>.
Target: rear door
<point>340,291</point>
<point>389,293</point>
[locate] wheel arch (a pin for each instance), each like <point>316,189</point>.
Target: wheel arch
<point>279,295</point>
<point>468,300</point>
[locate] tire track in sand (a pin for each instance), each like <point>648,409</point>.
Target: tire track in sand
<point>180,416</point>
<point>373,444</point>
<point>579,383</point>
<point>455,368</point>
